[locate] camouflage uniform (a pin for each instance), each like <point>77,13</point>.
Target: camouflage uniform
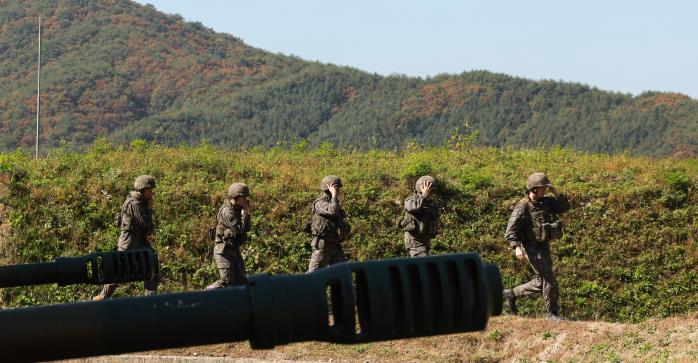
<point>524,230</point>
<point>421,221</point>
<point>231,233</point>
<point>328,229</point>
<point>136,225</point>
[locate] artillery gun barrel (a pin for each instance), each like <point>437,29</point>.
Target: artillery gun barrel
<point>345,303</point>
<point>96,268</point>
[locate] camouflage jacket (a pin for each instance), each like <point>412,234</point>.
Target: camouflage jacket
<point>421,218</point>
<point>135,223</point>
<point>231,229</point>
<point>327,221</point>
<point>520,229</point>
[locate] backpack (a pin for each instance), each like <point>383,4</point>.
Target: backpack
<point>322,227</point>
<point>212,229</point>
<point>117,220</point>
<point>308,229</point>
<point>212,233</point>
<point>408,222</point>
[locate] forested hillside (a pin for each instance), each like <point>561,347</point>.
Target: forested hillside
<point>122,70</point>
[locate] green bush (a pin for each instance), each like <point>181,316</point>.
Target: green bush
<point>417,168</point>
<point>677,180</point>
<point>628,253</point>
<point>474,179</point>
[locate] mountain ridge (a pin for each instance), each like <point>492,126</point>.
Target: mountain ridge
<point>123,70</point>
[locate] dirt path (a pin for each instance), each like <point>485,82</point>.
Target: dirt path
<point>507,339</point>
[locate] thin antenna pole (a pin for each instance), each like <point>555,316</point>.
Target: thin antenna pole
<point>38,84</point>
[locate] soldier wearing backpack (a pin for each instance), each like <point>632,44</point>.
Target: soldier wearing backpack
<point>232,224</point>
<point>327,226</point>
<point>420,220</point>
<point>532,226</point>
<point>135,222</point>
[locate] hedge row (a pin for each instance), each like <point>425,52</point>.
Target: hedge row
<point>629,252</point>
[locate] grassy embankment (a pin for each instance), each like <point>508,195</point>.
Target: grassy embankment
<point>629,253</point>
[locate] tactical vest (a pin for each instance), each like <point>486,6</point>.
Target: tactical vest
<point>328,228</point>
<point>423,223</point>
<point>132,235</point>
<point>226,235</point>
<point>545,226</point>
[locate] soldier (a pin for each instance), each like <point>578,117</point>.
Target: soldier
<point>232,224</point>
<point>420,220</point>
<point>136,224</point>
<point>533,224</point>
<point>327,226</point>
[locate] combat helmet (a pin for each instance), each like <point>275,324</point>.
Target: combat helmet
<point>329,180</point>
<point>537,180</point>
<point>238,190</point>
<point>144,181</point>
<point>422,180</point>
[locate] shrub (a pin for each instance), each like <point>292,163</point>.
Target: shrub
<point>626,254</point>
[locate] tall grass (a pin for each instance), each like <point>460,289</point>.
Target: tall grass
<point>629,252</point>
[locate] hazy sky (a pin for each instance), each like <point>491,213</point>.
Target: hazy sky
<point>625,46</point>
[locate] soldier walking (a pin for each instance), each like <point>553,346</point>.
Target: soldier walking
<point>327,226</point>
<point>233,221</point>
<point>135,222</point>
<point>533,224</point>
<point>420,220</point>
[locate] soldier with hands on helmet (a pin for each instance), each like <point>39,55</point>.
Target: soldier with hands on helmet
<point>531,228</point>
<point>135,222</point>
<point>420,220</point>
<point>327,226</point>
<point>233,221</point>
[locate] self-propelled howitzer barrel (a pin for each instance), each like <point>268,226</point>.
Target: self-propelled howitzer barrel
<point>392,299</point>
<point>96,268</point>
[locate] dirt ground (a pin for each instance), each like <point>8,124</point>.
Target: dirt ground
<point>507,339</point>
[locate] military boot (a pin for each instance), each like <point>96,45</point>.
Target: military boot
<point>511,301</point>
<point>553,316</point>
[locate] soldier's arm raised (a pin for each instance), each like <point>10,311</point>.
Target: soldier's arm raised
<point>328,209</point>
<point>559,204</point>
<point>234,223</point>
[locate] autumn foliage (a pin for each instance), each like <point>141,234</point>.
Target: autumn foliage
<point>125,71</point>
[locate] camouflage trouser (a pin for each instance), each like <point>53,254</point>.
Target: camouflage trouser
<point>231,269</point>
<point>151,286</point>
<point>416,247</point>
<point>324,254</point>
<point>545,281</point>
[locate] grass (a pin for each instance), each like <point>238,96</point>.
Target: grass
<point>524,342</point>
<point>629,252</point>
